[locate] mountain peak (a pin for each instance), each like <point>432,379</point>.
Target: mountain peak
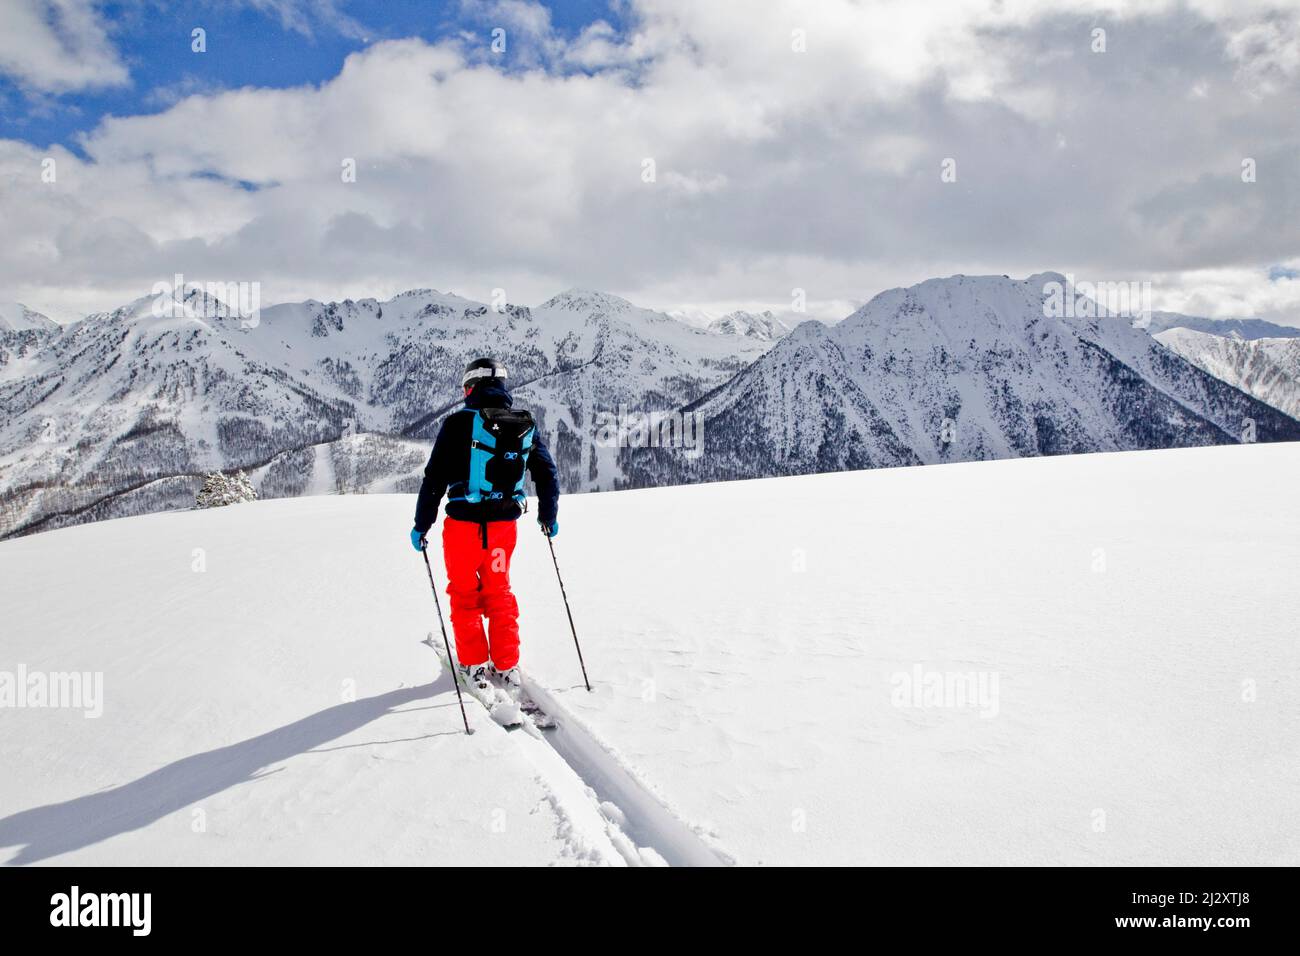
<point>763,326</point>
<point>195,303</point>
<point>959,304</point>
<point>587,300</point>
<point>1040,279</point>
<point>968,368</point>
<point>809,329</point>
<point>16,317</point>
<point>415,294</point>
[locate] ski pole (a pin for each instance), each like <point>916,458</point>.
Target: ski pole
<point>450,663</point>
<point>565,595</point>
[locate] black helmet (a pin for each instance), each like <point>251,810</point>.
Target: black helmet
<point>482,368</point>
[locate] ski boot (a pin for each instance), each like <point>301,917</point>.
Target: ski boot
<point>477,680</point>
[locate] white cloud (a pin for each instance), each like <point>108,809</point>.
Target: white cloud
<point>531,19</point>
<point>776,168</point>
<point>57,46</point>
<point>524,26</point>
<point>1268,51</point>
<point>304,16</point>
<point>1230,293</point>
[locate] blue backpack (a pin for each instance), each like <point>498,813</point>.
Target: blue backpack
<point>498,457</point>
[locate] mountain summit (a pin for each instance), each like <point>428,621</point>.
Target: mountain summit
<point>959,369</point>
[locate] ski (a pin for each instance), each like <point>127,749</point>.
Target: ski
<point>499,703</point>
<point>540,718</point>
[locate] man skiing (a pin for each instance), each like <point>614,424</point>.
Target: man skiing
<point>478,462</point>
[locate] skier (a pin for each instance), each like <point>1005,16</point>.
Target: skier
<point>478,462</point>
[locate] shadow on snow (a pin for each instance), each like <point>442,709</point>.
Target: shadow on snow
<point>63,827</point>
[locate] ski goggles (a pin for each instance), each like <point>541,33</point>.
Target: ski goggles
<point>496,371</point>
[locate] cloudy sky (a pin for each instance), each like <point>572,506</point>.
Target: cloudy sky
<point>683,154</point>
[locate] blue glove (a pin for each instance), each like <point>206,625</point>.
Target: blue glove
<point>418,541</point>
<point>550,530</point>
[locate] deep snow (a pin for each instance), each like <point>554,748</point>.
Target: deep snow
<point>1131,618</point>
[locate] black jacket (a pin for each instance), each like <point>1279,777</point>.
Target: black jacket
<point>449,464</point>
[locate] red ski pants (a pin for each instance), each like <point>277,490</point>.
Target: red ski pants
<point>478,585</point>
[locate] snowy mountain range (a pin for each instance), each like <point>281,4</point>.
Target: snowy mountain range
<point>122,412</point>
<point>1267,368</point>
<point>958,369</point>
<point>1234,328</point>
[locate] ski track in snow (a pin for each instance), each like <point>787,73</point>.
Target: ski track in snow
<point>639,826</point>
<point>631,806</point>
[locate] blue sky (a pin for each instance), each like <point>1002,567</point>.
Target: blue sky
<point>247,45</point>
